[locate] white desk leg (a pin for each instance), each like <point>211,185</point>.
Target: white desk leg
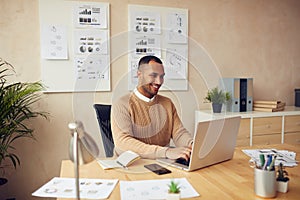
<point>282,129</point>
<point>251,130</point>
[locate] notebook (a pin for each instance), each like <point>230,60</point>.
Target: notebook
<point>214,142</point>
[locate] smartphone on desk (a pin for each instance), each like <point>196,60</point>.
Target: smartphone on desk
<point>157,169</point>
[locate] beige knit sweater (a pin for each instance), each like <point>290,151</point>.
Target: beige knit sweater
<point>147,127</point>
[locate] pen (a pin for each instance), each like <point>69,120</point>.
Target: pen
<point>122,165</point>
<point>262,159</point>
<point>267,162</point>
<point>271,167</point>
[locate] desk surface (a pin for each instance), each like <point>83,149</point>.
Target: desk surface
<point>232,179</point>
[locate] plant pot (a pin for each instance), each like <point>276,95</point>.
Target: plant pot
<point>173,196</point>
<point>217,107</point>
<point>282,186</point>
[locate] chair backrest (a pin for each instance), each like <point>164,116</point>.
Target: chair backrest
<point>103,116</point>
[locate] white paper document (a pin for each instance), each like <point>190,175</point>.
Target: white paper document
<point>177,28</point>
<point>90,41</point>
<point>145,22</point>
<point>90,15</point>
<point>54,42</point>
<point>287,158</point>
<point>176,63</point>
<point>93,67</point>
<point>65,188</point>
<point>154,189</point>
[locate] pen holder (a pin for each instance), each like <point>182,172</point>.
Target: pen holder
<point>265,183</point>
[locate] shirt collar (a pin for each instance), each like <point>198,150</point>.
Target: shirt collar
<point>142,97</point>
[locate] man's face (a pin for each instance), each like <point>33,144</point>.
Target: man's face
<point>151,77</point>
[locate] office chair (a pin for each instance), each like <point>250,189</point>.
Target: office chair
<point>103,116</point>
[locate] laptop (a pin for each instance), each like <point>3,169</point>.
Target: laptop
<point>214,142</point>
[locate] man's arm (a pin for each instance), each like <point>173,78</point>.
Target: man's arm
<point>181,136</point>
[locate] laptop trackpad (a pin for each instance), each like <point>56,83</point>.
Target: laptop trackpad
<point>172,163</point>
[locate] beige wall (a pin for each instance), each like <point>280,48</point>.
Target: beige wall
<point>257,38</point>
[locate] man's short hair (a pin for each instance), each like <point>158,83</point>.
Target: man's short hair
<point>147,59</point>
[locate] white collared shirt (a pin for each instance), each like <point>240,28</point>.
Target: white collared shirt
<point>142,97</point>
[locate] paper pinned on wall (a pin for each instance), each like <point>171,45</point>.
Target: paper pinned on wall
<point>176,63</point>
<point>90,41</point>
<point>177,28</point>
<point>146,45</point>
<point>145,22</point>
<point>90,15</point>
<point>54,42</point>
<point>152,30</point>
<point>92,67</point>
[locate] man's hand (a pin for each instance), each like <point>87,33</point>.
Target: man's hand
<point>179,152</point>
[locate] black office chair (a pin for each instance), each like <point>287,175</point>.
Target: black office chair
<point>103,116</point>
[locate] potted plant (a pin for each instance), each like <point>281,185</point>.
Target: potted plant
<point>16,105</point>
<point>217,97</point>
<point>174,191</point>
<point>282,179</point>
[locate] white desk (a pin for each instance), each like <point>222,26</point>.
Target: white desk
<point>282,117</point>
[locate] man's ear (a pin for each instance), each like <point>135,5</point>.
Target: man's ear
<point>138,73</point>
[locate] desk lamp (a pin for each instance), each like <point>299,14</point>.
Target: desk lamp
<point>81,147</point>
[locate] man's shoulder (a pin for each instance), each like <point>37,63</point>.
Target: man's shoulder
<point>123,99</point>
<point>163,98</point>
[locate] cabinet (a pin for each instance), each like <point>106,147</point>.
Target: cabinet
<point>292,129</point>
<point>267,130</point>
<point>262,127</point>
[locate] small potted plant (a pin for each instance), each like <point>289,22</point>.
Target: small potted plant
<point>217,97</point>
<point>282,179</point>
<point>174,191</point>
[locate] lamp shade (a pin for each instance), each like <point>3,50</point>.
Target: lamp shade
<point>83,149</point>
<point>87,147</point>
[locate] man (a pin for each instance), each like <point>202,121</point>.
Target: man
<point>144,121</point>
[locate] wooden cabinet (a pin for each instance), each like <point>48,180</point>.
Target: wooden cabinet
<point>292,129</point>
<point>267,125</point>
<point>267,130</point>
<point>262,127</point>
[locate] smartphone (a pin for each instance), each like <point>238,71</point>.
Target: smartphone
<point>157,169</point>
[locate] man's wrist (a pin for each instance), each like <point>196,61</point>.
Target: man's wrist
<point>166,156</point>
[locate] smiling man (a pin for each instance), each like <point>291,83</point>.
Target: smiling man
<point>145,122</point>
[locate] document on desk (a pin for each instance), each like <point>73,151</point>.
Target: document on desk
<point>154,189</point>
<point>287,158</point>
<point>65,188</point>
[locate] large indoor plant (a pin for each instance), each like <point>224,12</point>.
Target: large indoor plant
<point>16,105</point>
<point>217,97</point>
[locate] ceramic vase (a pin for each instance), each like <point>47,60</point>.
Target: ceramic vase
<point>282,186</point>
<point>173,196</point>
<point>216,107</point>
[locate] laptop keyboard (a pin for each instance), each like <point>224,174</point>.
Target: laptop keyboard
<point>183,161</point>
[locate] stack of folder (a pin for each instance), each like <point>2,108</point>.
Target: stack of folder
<point>268,106</point>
